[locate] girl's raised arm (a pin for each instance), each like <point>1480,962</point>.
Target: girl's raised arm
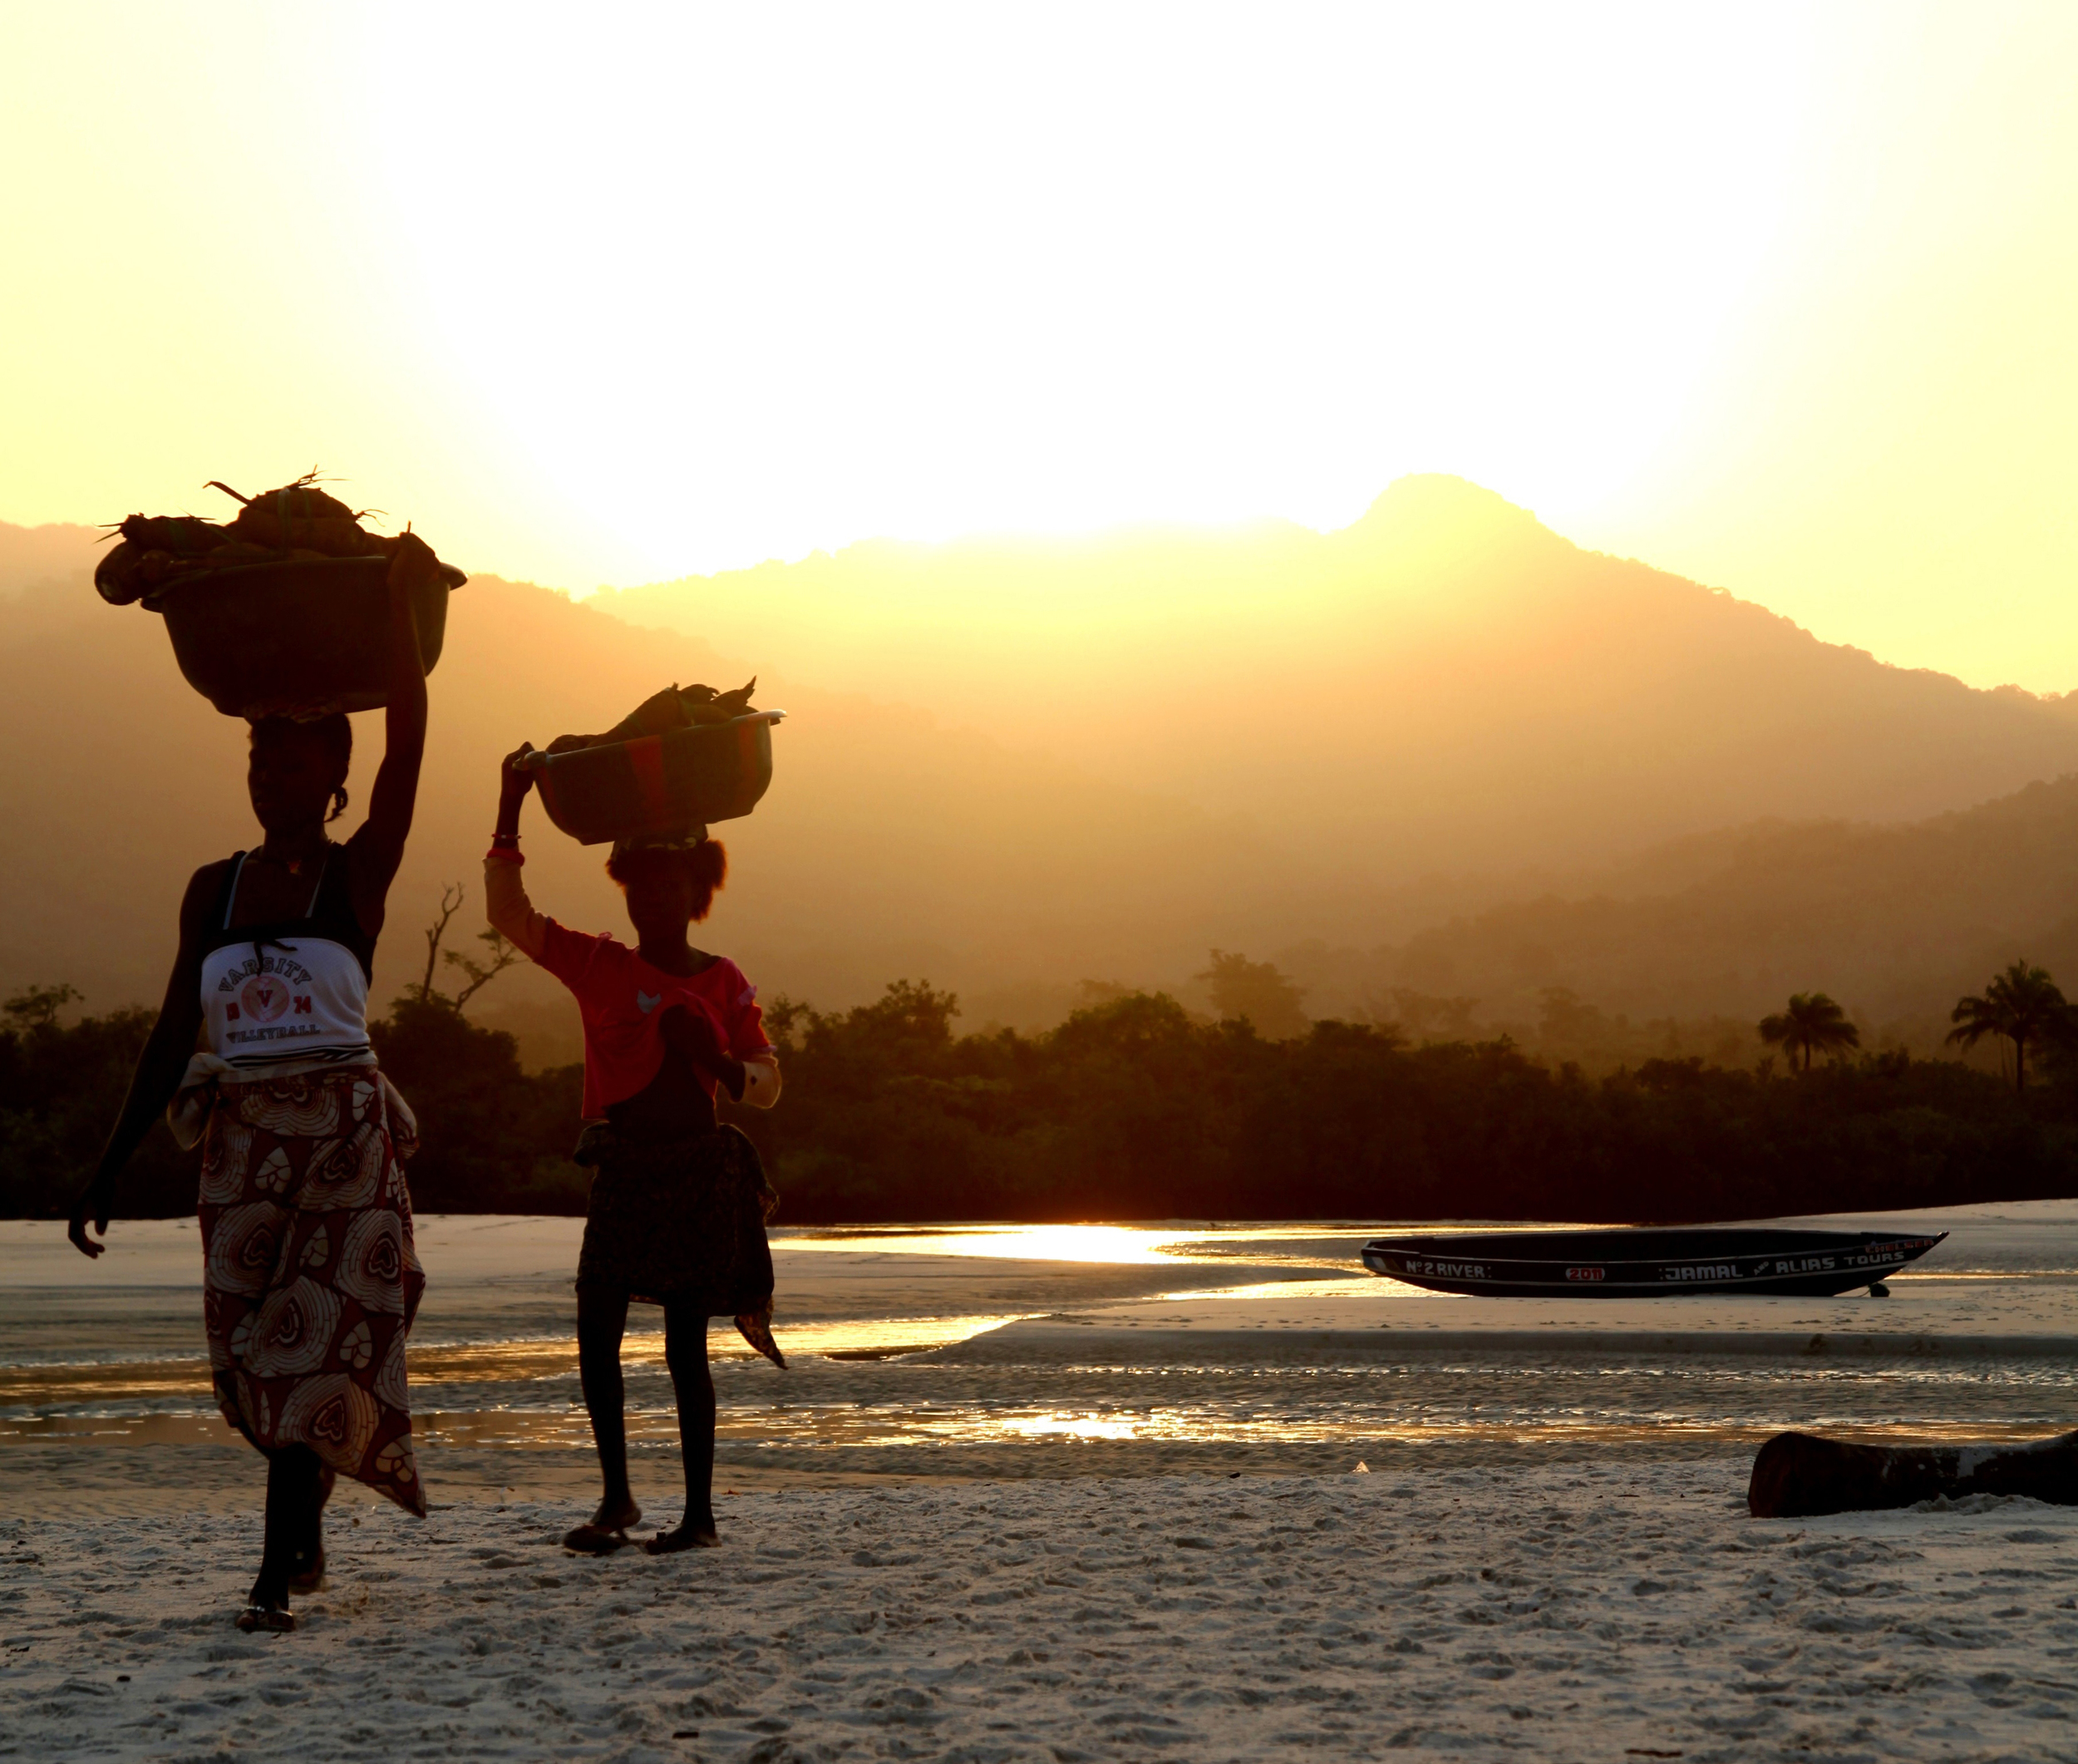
<point>505,902</point>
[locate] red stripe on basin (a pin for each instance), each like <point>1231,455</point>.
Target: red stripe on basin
<point>646,760</point>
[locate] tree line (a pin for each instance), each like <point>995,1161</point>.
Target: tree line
<point>1132,1108</point>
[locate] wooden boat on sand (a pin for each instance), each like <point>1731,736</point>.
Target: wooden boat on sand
<point>1646,1262</point>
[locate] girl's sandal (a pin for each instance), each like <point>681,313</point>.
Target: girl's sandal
<point>596,1539</point>
<point>670,1543</point>
<point>277,1619</point>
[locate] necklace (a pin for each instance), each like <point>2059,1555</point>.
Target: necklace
<point>294,866</point>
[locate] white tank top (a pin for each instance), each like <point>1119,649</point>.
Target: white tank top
<point>282,991</point>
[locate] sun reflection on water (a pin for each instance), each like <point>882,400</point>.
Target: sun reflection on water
<point>804,1427</point>
<point>1124,1245</point>
<point>1057,1426</point>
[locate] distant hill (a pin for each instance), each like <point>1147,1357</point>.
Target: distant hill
<point>1444,685</point>
<point>889,845</point>
<point>1894,922</point>
<point>32,556</point>
<point>1358,748</point>
<point>45,575</point>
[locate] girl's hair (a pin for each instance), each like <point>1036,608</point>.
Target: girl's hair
<point>333,734</point>
<point>705,865</point>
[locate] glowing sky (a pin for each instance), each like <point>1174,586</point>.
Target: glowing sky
<point>1777,297</point>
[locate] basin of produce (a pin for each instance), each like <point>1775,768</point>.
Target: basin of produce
<point>665,783</point>
<point>295,637</point>
<point>284,611</point>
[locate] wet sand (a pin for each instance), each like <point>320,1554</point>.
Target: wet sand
<point>949,1354</point>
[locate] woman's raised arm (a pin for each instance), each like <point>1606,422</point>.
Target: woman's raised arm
<point>378,847</point>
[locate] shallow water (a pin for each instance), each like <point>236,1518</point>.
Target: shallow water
<point>110,1354</point>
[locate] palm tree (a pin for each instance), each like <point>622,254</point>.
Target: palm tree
<point>1812,1024</point>
<point>2023,1005</point>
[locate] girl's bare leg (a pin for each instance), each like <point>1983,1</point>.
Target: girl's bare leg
<point>686,1353</point>
<point>602,1319</point>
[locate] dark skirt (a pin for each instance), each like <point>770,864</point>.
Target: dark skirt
<point>681,1222</point>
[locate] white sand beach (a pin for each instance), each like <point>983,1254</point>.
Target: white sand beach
<point>1544,1612</point>
<point>1061,1496</point>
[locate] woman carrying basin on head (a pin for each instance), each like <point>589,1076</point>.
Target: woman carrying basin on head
<point>310,1279</point>
<point>678,1202</point>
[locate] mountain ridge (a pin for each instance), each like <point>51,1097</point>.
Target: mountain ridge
<point>1262,738</point>
<point>1444,626</point>
<point>856,879</point>
<point>1895,922</point>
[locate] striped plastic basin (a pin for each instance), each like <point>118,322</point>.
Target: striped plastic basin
<point>659,783</point>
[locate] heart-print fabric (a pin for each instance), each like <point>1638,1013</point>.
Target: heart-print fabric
<point>310,1278</point>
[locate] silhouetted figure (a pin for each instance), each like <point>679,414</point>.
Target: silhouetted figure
<point>310,1279</point>
<point>678,1203</point>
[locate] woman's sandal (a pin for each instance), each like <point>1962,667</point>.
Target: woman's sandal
<point>596,1539</point>
<point>276,1618</point>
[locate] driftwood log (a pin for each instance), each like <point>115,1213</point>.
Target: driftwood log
<point>1799,1475</point>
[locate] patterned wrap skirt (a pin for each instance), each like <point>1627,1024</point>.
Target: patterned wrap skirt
<point>310,1278</point>
<point>681,1222</point>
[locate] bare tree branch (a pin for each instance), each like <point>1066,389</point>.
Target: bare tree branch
<point>452,894</point>
<point>504,954</point>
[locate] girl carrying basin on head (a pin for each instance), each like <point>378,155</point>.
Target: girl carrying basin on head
<point>678,1203</point>
<point>310,1279</point>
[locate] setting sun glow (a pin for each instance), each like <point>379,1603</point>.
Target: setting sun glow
<point>654,290</point>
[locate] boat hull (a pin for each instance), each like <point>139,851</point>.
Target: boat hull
<point>1646,1264</point>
